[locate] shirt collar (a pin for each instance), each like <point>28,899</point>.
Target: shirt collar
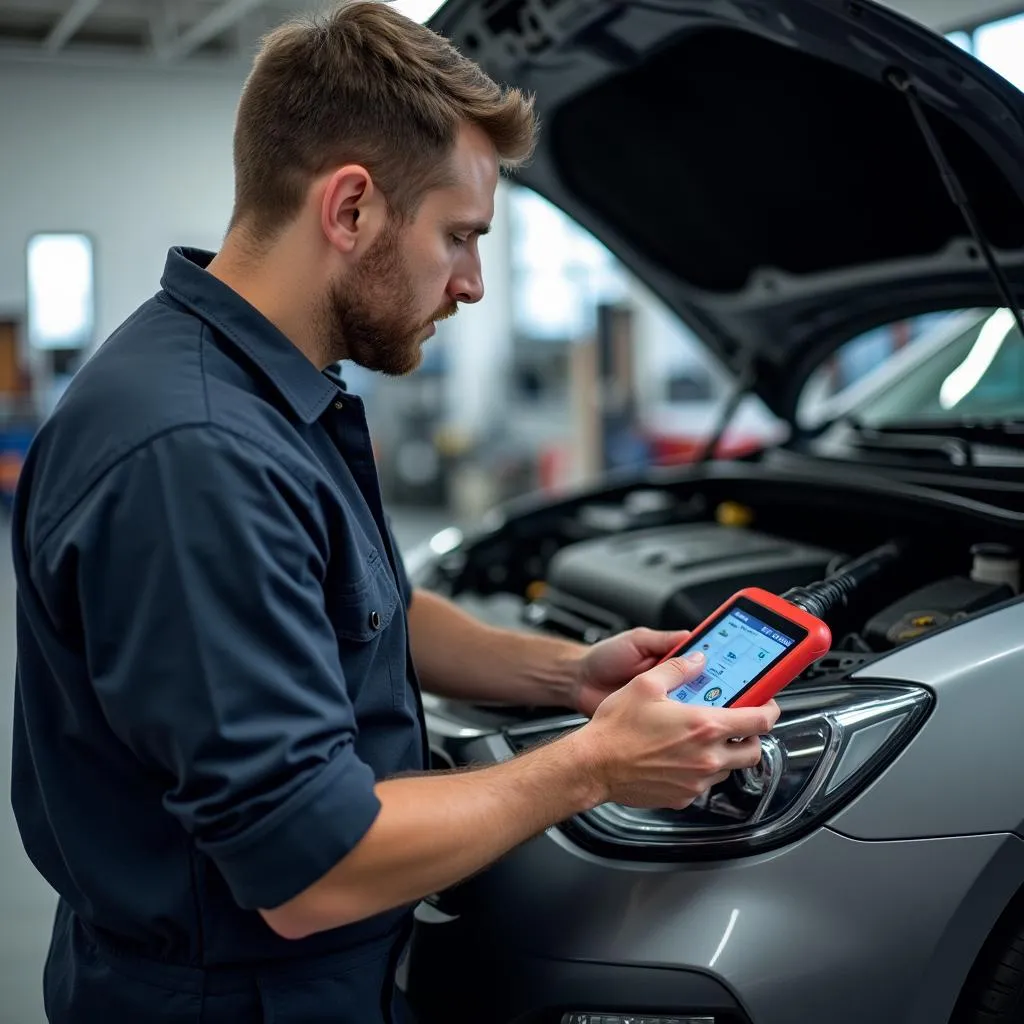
<point>306,390</point>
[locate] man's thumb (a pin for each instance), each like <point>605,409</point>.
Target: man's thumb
<point>677,671</point>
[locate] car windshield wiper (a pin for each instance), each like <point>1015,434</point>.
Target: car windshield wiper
<point>958,451</point>
<point>958,442</point>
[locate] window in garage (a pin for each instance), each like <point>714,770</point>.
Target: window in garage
<point>560,272</point>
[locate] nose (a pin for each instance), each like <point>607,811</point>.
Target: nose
<point>467,283</point>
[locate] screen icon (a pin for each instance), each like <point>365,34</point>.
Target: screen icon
<point>713,694</point>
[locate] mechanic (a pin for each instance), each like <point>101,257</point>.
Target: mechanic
<point>220,760</point>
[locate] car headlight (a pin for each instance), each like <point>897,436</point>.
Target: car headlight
<point>827,746</point>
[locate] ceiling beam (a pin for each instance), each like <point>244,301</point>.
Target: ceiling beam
<point>163,25</point>
<point>106,58</point>
<point>217,21</point>
<point>69,24</point>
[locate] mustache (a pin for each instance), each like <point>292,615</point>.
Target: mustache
<point>444,313</point>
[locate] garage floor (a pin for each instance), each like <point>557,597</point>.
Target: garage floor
<point>26,902</point>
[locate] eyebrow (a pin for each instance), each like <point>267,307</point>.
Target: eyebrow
<point>472,227</point>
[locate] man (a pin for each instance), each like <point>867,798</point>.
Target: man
<point>219,754</point>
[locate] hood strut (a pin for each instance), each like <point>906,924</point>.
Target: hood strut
<point>901,82</point>
<point>743,386</point>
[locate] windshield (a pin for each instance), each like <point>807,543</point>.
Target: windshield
<point>969,369</point>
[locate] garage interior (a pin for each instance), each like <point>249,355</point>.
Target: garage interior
<point>116,120</point>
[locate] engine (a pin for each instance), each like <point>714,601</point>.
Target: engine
<point>673,577</point>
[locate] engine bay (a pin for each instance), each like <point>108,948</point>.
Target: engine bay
<point>674,577</point>
<point>666,556</point>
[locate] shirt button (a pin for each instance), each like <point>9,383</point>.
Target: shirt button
<point>339,405</point>
<point>375,620</point>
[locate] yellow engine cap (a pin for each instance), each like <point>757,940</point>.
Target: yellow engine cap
<point>732,513</point>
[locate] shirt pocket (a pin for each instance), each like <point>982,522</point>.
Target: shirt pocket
<point>371,636</point>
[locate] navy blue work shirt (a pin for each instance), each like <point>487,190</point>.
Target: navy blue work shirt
<point>213,670</point>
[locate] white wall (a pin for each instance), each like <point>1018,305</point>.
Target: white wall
<point>140,161</point>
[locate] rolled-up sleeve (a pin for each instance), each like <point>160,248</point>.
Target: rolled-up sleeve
<point>201,572</point>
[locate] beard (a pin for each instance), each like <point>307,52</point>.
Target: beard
<point>368,316</point>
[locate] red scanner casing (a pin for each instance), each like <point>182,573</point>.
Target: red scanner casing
<point>800,656</point>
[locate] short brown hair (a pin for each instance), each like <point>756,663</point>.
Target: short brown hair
<point>362,84</point>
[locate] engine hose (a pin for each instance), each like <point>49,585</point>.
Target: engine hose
<point>825,596</point>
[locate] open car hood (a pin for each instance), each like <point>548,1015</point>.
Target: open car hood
<point>750,162</point>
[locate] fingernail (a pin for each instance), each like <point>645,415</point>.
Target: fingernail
<point>694,658</point>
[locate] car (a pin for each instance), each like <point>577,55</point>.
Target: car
<point>785,176</point>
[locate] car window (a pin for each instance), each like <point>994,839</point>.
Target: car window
<point>975,373</point>
<point>948,367</point>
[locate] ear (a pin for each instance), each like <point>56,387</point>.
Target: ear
<point>348,208</point>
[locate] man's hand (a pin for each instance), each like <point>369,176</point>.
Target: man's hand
<point>651,751</point>
<point>610,664</point>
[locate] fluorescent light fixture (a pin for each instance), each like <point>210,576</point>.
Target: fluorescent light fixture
<point>966,377</point>
<point>61,301</point>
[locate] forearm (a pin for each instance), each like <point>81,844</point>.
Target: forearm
<point>435,830</point>
<point>458,657</point>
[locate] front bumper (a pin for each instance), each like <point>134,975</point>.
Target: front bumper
<point>831,930</point>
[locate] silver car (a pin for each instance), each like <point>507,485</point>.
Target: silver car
<point>784,175</point>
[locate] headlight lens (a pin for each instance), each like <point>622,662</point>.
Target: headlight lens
<point>827,746</point>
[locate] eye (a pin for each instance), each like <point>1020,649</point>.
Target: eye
<point>458,240</point>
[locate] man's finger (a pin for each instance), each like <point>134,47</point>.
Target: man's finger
<point>657,643</point>
<point>676,671</point>
<point>749,721</point>
<point>744,754</point>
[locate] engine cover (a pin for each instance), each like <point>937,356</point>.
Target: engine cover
<point>673,577</point>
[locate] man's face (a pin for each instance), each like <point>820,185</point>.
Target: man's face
<point>417,273</point>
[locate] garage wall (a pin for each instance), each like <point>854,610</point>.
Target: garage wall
<point>140,161</point>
